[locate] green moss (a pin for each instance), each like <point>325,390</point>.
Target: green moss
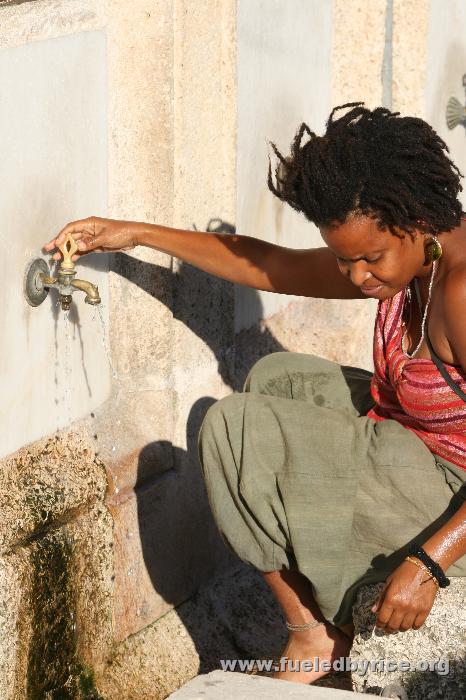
<point>87,686</point>
<point>54,670</point>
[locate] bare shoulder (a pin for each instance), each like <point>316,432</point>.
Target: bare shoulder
<point>454,305</point>
<point>454,287</point>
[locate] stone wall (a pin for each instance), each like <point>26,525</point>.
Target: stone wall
<point>106,524</point>
<point>106,536</point>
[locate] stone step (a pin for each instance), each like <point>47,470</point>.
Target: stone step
<point>226,685</point>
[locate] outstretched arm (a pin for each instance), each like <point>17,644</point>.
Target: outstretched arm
<point>245,260</point>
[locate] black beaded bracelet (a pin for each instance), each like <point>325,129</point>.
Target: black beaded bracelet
<point>434,568</point>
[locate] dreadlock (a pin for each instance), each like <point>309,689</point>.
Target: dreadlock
<point>391,168</point>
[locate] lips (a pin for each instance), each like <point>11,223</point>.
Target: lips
<point>371,290</point>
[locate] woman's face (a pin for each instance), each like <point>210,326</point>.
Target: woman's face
<point>378,262</point>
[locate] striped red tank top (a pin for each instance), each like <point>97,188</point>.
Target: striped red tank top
<point>413,392</point>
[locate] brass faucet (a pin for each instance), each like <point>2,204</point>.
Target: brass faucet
<point>65,282</point>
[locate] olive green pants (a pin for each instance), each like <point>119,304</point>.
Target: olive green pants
<point>299,478</point>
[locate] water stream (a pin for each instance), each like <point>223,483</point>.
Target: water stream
<point>67,365</point>
<point>67,356</point>
<point>105,343</point>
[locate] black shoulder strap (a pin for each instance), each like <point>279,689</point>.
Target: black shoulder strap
<point>440,366</point>
<point>443,370</point>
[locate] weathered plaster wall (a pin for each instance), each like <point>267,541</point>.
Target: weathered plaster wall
<point>358,29</point>
<point>446,65</point>
<point>294,86</point>
<point>53,169</point>
<point>358,46</point>
<point>283,80</point>
<point>410,25</point>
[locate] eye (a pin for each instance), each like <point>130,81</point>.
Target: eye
<point>343,261</point>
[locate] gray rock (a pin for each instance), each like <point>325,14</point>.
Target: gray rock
<point>440,643</point>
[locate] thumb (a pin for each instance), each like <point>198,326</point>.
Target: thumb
<point>88,244</point>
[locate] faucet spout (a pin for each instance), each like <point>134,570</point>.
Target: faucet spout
<point>92,291</point>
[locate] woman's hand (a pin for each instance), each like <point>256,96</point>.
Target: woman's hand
<point>406,600</point>
<point>96,235</point>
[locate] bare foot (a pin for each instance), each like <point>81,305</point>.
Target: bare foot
<point>324,642</point>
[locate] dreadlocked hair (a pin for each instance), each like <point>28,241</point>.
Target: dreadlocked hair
<point>372,162</point>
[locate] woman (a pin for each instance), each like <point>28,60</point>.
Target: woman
<point>321,475</point>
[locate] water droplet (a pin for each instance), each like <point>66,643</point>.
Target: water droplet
<point>130,572</point>
<point>67,365</point>
<point>105,344</point>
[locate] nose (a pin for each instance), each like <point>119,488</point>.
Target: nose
<point>357,273</point>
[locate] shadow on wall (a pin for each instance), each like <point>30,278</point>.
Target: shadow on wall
<point>206,305</point>
<point>181,546</point>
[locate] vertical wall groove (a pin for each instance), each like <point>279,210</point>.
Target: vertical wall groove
<point>387,63</point>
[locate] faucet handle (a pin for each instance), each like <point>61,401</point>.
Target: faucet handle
<point>68,249</point>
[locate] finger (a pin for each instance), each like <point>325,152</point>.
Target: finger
<point>384,614</point>
<point>90,243</point>
<point>75,228</point>
<point>419,621</point>
<point>90,250</point>
<point>393,624</point>
<point>77,256</point>
<point>407,622</point>
<point>58,242</point>
<point>58,256</point>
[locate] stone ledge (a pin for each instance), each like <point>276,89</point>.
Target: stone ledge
<point>224,685</point>
<point>47,483</point>
<point>443,636</point>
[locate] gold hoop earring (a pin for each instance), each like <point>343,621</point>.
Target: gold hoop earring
<point>432,250</point>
